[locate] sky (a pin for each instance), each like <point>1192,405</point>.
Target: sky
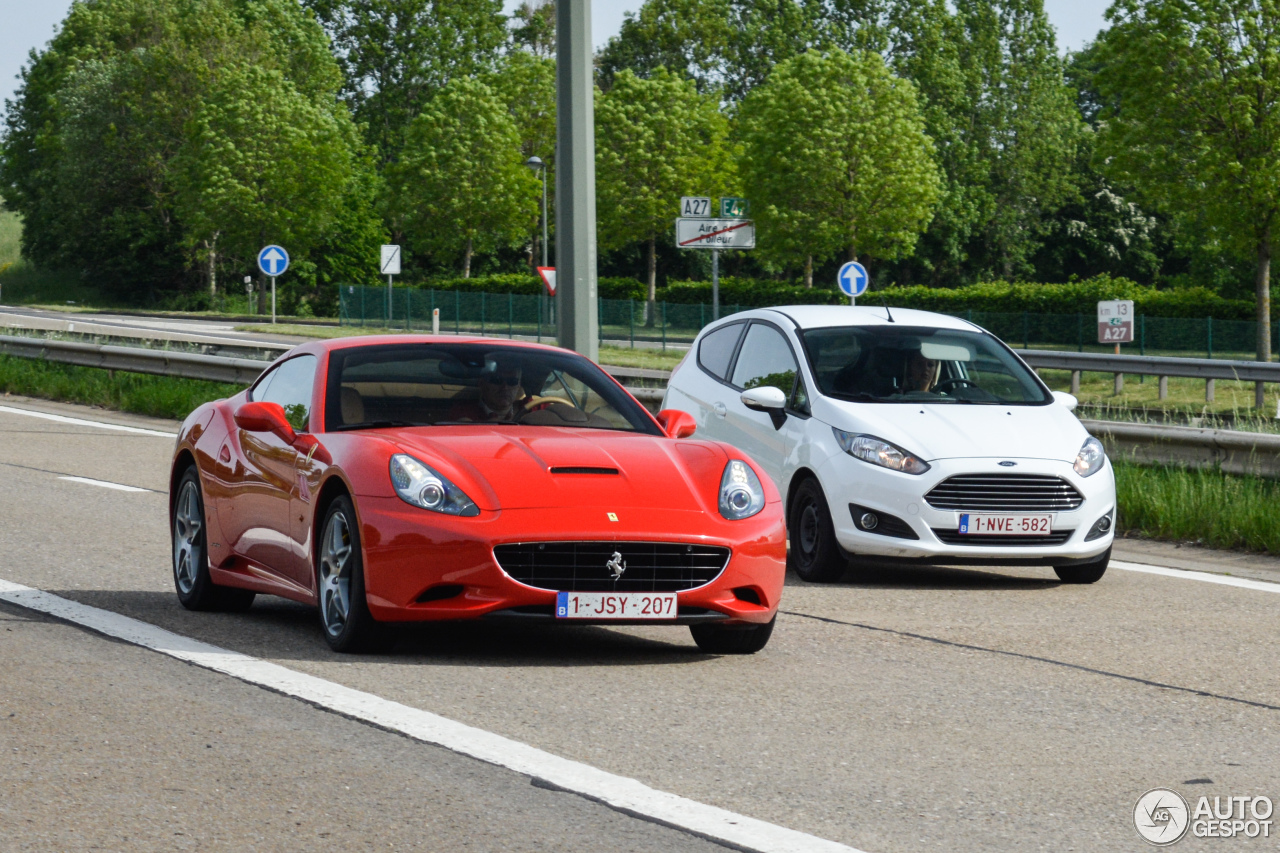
<point>28,25</point>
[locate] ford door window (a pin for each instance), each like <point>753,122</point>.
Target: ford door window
<point>715,351</point>
<point>899,364</point>
<point>765,361</point>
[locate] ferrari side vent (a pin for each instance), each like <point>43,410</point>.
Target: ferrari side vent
<point>582,469</point>
<point>612,566</point>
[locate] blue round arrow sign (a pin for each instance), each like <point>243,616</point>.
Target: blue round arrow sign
<point>853,279</point>
<point>273,260</point>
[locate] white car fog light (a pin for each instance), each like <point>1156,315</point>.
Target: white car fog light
<point>869,521</point>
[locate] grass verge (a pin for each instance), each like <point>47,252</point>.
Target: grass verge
<point>154,396</point>
<point>1206,506</point>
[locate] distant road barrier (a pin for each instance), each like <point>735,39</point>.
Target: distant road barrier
<point>1208,369</point>
<point>1235,452</point>
<point>214,368</point>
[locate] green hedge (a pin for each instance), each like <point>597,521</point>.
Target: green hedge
<point>996,296</point>
<point>531,285</point>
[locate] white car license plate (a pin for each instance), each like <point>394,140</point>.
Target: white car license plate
<point>1006,525</point>
<point>615,605</point>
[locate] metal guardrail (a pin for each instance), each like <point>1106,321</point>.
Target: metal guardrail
<point>1208,369</point>
<point>214,368</point>
<point>1235,452</point>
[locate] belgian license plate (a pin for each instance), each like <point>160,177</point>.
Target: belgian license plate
<point>615,605</point>
<point>1006,525</point>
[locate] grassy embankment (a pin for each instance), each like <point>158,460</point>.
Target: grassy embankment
<point>23,284</point>
<point>155,396</point>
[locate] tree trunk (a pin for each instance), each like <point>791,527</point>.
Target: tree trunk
<point>651,305</point>
<point>1263,287</point>
<point>212,246</point>
<point>808,271</point>
<point>466,260</point>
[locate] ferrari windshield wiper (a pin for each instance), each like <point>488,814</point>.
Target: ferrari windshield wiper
<point>381,425</point>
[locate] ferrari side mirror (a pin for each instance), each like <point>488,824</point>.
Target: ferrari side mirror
<point>677,423</point>
<point>265,417</point>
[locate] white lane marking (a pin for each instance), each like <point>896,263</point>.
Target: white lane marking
<point>1203,577</point>
<point>619,792</point>
<point>63,419</point>
<point>103,483</point>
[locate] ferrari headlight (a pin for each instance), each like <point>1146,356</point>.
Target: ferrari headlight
<point>425,487</point>
<point>1090,458</point>
<point>877,451</point>
<point>741,495</point>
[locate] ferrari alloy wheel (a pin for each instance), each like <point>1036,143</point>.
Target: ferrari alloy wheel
<point>344,613</point>
<point>1090,572</point>
<point>814,553</point>
<point>196,589</point>
<point>724,640</point>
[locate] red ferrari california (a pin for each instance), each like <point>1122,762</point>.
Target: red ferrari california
<point>410,478</point>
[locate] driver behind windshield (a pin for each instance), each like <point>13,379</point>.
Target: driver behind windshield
<point>921,372</point>
<point>501,396</point>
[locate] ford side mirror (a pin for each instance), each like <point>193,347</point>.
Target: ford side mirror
<point>1065,399</point>
<point>767,399</point>
<point>677,423</point>
<point>265,417</point>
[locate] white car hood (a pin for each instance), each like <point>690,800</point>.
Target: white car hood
<point>949,431</point>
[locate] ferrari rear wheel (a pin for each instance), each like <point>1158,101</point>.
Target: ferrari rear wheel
<point>726,640</point>
<point>196,589</point>
<point>814,553</point>
<point>344,612</point>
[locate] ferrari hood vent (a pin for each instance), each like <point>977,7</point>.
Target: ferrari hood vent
<point>582,469</point>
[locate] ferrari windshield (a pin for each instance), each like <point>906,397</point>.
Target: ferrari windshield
<point>393,385</point>
<point>903,364</point>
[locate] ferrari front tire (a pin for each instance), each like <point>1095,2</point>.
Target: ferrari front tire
<point>814,554</point>
<point>344,611</point>
<point>732,640</point>
<point>196,589</point>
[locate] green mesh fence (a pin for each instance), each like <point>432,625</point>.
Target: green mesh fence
<point>630,322</point>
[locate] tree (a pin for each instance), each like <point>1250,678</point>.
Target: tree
<point>461,186</point>
<point>113,143</point>
<point>657,139</point>
<point>397,54</point>
<point>536,30</point>
<point>261,163</point>
<point>835,160</point>
<point>1191,118</point>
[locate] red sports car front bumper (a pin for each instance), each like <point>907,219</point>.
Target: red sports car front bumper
<point>422,566</point>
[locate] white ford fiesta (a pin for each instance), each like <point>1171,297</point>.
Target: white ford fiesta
<point>902,435</point>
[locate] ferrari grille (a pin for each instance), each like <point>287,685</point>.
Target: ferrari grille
<point>592,566</point>
<point>1004,493</point>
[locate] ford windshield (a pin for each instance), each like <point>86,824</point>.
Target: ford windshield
<point>904,364</point>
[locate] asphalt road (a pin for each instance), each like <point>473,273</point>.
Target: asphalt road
<point>919,709</point>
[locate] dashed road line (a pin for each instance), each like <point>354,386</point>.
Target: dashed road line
<point>620,793</point>
<point>63,419</point>
<point>103,484</point>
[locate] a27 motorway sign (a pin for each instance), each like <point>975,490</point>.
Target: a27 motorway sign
<point>1115,322</point>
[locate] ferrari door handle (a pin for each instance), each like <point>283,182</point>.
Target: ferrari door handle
<point>720,410</point>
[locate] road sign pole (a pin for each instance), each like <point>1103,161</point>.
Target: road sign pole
<point>273,299</point>
<point>576,180</point>
<point>388,302</point>
<point>715,284</point>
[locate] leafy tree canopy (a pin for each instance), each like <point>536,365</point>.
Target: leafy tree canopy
<point>836,160</point>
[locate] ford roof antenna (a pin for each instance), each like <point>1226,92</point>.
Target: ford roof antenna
<point>887,312</point>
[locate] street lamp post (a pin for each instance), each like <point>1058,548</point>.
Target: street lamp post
<point>541,167</point>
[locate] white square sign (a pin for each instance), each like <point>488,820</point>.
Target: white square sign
<point>390,260</point>
<point>1115,321</point>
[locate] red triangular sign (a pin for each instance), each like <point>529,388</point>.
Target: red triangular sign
<point>548,278</point>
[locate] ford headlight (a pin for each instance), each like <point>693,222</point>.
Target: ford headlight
<point>877,451</point>
<point>741,495</point>
<point>425,487</point>
<point>1090,458</point>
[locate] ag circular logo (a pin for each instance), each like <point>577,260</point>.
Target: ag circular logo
<point>1161,816</point>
